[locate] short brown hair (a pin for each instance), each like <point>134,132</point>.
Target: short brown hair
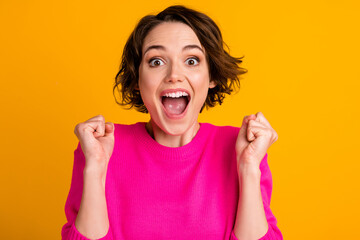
<point>224,69</point>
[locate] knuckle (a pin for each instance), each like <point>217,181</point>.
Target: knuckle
<point>96,118</point>
<point>79,126</point>
<point>276,136</point>
<point>102,118</point>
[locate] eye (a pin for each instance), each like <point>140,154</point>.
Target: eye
<point>192,61</point>
<point>154,62</point>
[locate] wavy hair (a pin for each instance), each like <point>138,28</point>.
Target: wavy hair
<point>224,69</point>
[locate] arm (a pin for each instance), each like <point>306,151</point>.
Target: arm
<point>250,218</point>
<point>92,220</point>
<point>254,219</point>
<point>85,208</point>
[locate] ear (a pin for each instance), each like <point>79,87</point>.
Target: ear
<point>137,87</point>
<point>212,84</point>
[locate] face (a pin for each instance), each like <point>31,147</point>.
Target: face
<point>173,77</point>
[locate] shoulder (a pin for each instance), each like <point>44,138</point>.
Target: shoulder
<point>221,136</point>
<point>128,134</point>
<point>128,128</point>
<point>221,131</point>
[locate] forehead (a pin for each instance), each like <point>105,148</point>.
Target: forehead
<point>171,33</point>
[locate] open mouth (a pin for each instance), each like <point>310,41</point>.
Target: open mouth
<point>175,101</point>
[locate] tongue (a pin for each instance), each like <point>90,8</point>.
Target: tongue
<point>174,105</point>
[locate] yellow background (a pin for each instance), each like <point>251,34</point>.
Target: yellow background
<point>58,63</point>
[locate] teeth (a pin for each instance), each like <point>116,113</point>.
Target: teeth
<point>176,94</point>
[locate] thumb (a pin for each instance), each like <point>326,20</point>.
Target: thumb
<point>243,129</point>
<point>242,141</point>
<point>109,129</point>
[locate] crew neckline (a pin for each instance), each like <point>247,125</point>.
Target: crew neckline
<point>189,150</point>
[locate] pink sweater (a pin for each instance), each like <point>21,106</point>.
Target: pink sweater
<point>157,192</point>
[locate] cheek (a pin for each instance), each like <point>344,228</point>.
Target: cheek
<point>201,81</point>
<point>148,77</point>
<point>145,89</point>
<point>148,85</point>
<point>144,79</point>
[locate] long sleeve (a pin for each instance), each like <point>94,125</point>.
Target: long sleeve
<point>158,192</point>
<point>273,232</point>
<point>69,231</point>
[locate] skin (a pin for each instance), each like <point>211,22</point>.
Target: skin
<point>178,61</point>
<point>255,137</point>
<point>168,66</point>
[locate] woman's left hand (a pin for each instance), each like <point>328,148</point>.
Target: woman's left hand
<point>255,137</point>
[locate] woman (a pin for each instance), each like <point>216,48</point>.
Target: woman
<point>173,177</point>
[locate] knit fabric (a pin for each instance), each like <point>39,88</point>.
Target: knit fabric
<point>156,192</point>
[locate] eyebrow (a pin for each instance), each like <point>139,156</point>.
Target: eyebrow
<point>187,47</point>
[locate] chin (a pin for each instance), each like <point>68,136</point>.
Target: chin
<point>175,129</point>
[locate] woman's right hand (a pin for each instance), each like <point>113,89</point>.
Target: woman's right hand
<point>97,142</point>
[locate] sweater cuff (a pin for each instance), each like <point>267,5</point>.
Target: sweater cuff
<point>74,234</point>
<point>270,235</point>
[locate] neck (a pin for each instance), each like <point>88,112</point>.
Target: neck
<point>168,140</point>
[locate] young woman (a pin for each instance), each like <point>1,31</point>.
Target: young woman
<point>173,177</point>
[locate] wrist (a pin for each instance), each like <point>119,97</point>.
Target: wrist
<point>92,173</point>
<point>249,170</point>
<point>96,166</point>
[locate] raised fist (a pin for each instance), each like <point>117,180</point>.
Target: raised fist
<point>97,142</point>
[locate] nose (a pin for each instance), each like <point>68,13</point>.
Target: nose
<point>175,73</point>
